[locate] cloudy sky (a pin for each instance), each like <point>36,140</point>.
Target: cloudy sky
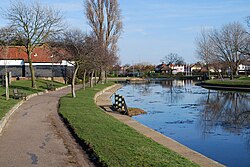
<point>155,28</point>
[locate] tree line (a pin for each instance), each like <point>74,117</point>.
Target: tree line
<point>33,24</point>
<point>225,48</point>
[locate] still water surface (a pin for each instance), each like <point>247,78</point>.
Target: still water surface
<point>214,123</point>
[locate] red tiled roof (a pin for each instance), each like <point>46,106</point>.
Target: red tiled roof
<point>39,55</point>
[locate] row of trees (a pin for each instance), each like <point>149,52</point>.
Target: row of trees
<point>226,48</point>
<point>33,25</point>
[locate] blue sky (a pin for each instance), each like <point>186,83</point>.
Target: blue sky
<point>155,28</point>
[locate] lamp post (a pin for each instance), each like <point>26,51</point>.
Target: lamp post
<point>7,94</point>
<point>52,69</point>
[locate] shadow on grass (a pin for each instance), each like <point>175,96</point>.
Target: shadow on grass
<point>24,88</point>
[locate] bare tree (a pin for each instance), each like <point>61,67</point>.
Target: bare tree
<point>248,21</point>
<point>224,46</point>
<point>246,50</point>
<point>174,58</point>
<point>34,23</point>
<point>78,49</point>
<point>73,48</point>
<point>204,49</point>
<point>104,17</point>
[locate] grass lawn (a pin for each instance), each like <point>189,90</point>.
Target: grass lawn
<point>112,142</point>
<point>244,81</point>
<point>245,78</point>
<point>25,86</point>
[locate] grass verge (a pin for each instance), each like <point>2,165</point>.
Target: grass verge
<point>111,142</point>
<point>236,82</point>
<point>25,86</point>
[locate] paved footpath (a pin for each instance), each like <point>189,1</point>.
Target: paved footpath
<point>35,136</point>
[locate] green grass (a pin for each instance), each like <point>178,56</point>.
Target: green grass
<point>240,82</point>
<point>25,86</point>
<point>244,78</point>
<point>113,143</point>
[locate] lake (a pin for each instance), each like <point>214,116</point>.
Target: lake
<point>213,123</point>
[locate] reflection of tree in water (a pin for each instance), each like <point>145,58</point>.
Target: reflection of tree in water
<point>229,110</point>
<point>144,89</point>
<point>174,90</point>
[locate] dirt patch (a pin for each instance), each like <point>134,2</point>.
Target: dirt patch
<point>135,111</point>
<point>76,156</point>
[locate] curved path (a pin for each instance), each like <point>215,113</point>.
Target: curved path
<point>35,136</point>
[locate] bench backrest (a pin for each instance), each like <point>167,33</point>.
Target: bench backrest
<point>15,91</point>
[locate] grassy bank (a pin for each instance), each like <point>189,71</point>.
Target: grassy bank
<point>110,141</point>
<point>25,86</point>
<point>236,82</point>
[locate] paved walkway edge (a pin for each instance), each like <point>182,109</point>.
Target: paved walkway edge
<point>154,135</point>
<point>7,116</point>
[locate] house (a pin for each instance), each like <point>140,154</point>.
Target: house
<point>46,65</point>
<point>178,68</point>
<point>162,68</point>
<point>244,68</point>
<point>168,68</point>
<point>196,67</point>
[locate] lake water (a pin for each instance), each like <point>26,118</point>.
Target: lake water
<point>214,123</point>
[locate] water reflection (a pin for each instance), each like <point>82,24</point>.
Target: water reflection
<point>214,123</point>
<point>173,90</point>
<point>229,110</point>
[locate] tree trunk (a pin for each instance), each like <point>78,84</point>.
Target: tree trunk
<point>232,73</point>
<point>7,95</point>
<point>95,77</point>
<point>91,79</point>
<point>84,80</point>
<point>106,80</point>
<point>209,73</point>
<point>32,72</point>
<point>221,77</point>
<point>73,81</point>
<point>101,76</point>
<point>236,69</point>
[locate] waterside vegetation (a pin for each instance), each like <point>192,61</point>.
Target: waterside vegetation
<point>243,81</point>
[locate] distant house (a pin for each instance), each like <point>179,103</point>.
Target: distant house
<point>162,68</point>
<point>168,68</point>
<point>15,60</point>
<point>178,68</point>
<point>196,67</point>
<point>244,68</point>
<point>117,70</point>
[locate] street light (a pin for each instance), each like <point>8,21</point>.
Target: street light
<point>52,76</point>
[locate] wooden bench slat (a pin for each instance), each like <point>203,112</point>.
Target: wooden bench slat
<point>17,94</point>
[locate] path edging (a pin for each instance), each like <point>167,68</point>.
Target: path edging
<point>103,91</point>
<point>7,116</point>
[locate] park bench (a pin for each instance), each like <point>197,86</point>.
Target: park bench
<point>50,86</point>
<point>17,94</point>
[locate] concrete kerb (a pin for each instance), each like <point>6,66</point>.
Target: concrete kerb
<point>7,116</point>
<point>103,91</point>
<point>156,136</point>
